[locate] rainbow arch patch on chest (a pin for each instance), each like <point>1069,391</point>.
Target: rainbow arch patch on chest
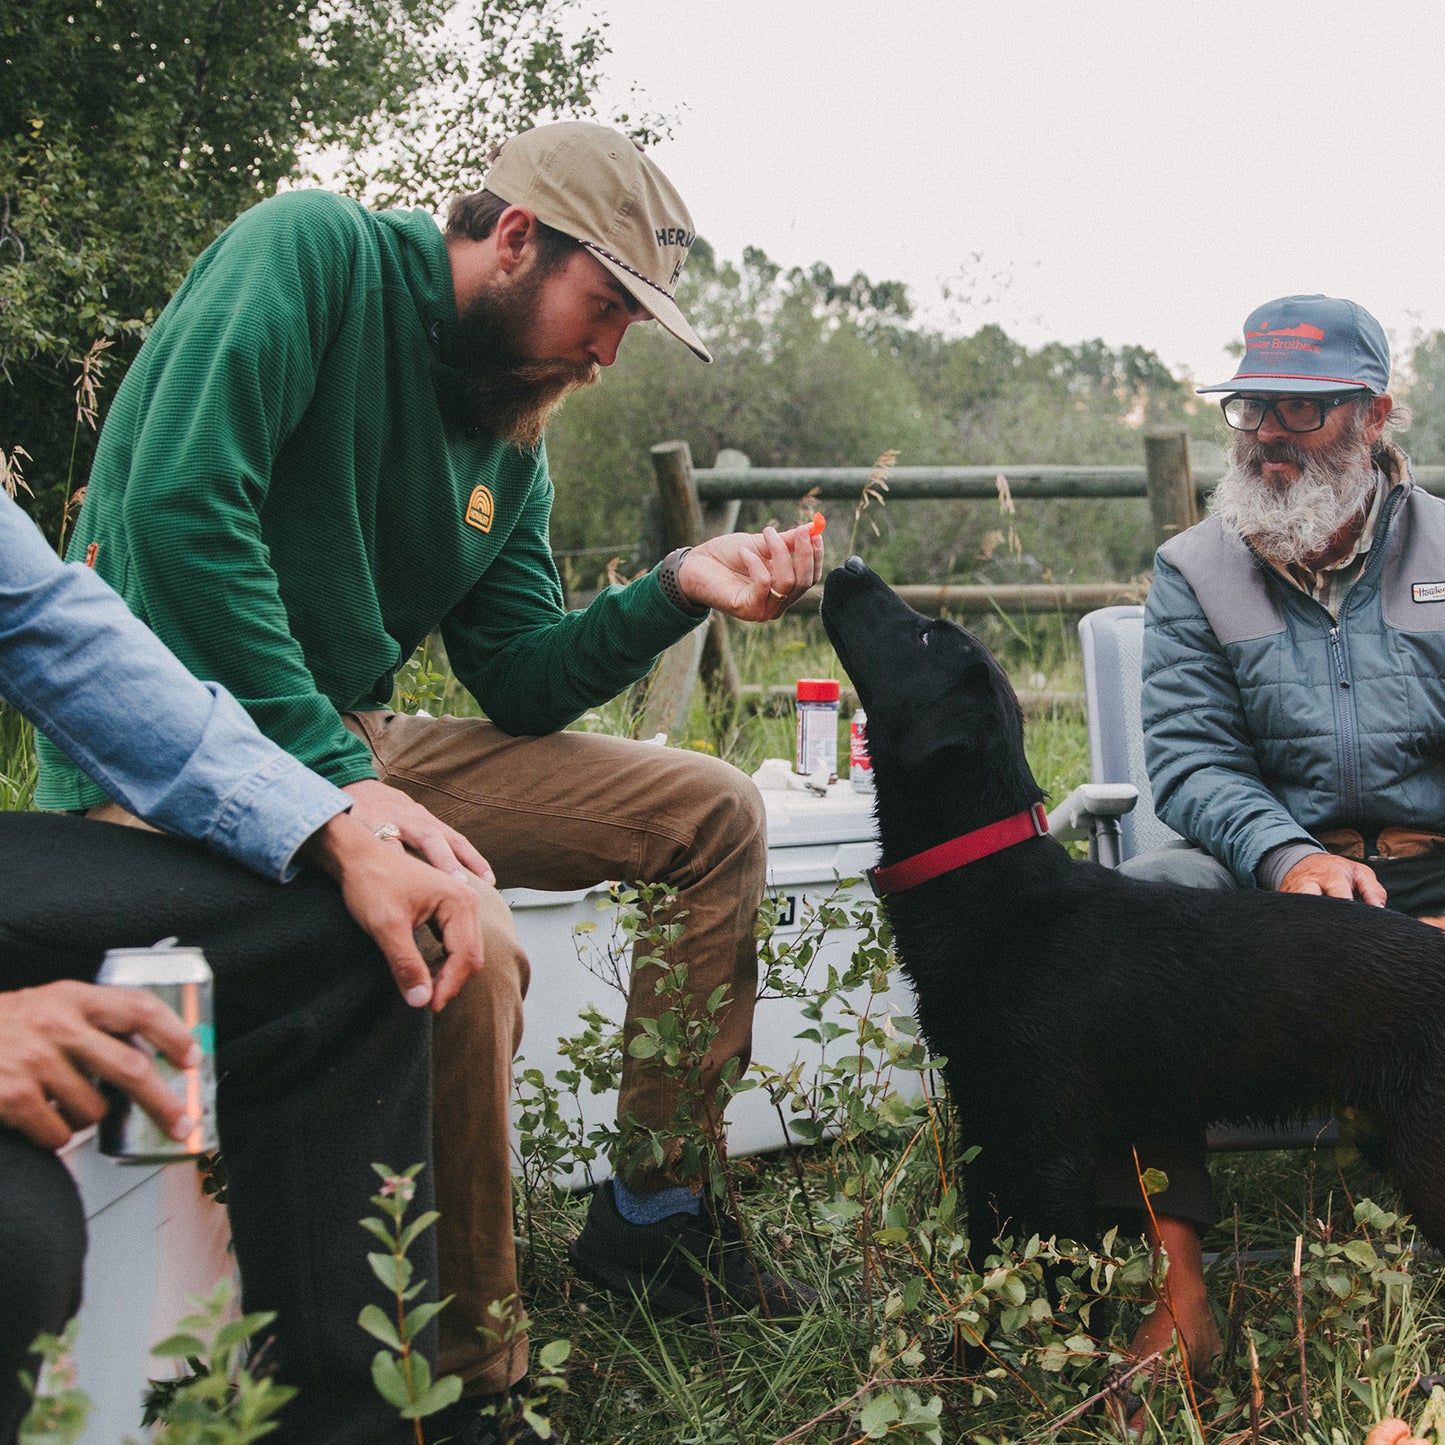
<point>481,508</point>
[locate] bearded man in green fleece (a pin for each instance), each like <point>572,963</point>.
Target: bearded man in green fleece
<point>330,444</point>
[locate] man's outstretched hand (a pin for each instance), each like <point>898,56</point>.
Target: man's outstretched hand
<point>753,576</point>
<point>391,894</point>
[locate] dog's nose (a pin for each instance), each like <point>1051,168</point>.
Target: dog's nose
<point>856,565</point>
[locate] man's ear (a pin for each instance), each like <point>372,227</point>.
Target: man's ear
<point>514,232</point>
<point>1376,417</point>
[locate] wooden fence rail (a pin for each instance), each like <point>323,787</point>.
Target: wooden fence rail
<point>692,504</point>
<point>776,484</point>
<point>832,484</point>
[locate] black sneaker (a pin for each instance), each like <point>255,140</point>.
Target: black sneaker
<point>680,1265</point>
<point>487,1420</point>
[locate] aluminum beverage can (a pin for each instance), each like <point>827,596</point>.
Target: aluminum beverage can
<point>181,979</point>
<point>860,765</point>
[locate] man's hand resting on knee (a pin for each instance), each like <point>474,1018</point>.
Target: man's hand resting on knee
<point>56,1039</point>
<point>391,894</point>
<point>1334,877</point>
<point>378,805</point>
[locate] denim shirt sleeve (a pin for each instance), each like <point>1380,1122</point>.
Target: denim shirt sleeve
<point>180,753</point>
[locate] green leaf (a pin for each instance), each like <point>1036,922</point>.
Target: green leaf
<point>418,1226</point>
<point>554,1354</point>
<point>393,1273</point>
<point>446,1391</point>
<point>376,1323</point>
<point>539,1423</point>
<point>877,1415</point>
<point>1155,1181</point>
<point>418,1319</point>
<point>1054,1357</point>
<point>379,1228</point>
<point>1362,1252</point>
<point>390,1383</point>
<point>237,1332</point>
<point>179,1347</point>
<point>1379,1360</point>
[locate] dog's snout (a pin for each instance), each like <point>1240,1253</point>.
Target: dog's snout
<point>856,565</point>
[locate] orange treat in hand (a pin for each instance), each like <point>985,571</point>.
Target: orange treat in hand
<point>818,523</point>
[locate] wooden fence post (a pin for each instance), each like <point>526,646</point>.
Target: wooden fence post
<point>719,670</point>
<point>677,492</point>
<point>1173,503</point>
<point>685,523</point>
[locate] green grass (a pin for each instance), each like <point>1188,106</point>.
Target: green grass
<point>17,760</point>
<point>896,1301</point>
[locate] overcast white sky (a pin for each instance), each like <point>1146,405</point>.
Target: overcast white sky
<point>1143,171</point>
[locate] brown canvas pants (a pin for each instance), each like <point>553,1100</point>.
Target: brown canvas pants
<point>562,812</point>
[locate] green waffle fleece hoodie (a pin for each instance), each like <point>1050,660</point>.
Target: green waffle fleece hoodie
<point>284,492</point>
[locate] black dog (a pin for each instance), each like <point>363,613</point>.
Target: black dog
<point>1082,1011</point>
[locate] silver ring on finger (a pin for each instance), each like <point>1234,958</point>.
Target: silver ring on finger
<point>389,832</point>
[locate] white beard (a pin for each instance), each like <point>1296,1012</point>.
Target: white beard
<point>1293,524</point>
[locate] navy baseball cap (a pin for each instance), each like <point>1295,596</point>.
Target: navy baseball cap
<point>1310,344</point>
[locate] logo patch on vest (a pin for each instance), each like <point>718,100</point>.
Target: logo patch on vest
<point>480,509</point>
<point>1428,591</point>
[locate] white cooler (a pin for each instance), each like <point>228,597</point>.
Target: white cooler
<point>155,1242</point>
<point>812,843</point>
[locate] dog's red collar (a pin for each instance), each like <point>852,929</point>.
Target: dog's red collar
<point>968,848</point>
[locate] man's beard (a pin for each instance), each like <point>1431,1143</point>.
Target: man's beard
<point>505,393</point>
<point>1294,523</point>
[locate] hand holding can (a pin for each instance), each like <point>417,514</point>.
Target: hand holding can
<point>181,979</point>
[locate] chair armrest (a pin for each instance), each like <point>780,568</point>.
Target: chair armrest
<point>1079,813</point>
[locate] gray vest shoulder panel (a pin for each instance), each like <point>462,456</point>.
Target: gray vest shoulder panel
<point>1412,589</point>
<point>1229,582</point>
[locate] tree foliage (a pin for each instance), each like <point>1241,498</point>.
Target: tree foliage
<point>1424,393</point>
<point>810,371</point>
<point>133,131</point>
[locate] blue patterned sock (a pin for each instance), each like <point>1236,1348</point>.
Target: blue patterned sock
<point>653,1206</point>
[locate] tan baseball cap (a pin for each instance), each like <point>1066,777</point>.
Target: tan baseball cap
<point>593,183</point>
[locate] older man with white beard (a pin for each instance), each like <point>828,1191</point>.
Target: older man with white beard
<point>1293,704</point>
<point>1294,685</point>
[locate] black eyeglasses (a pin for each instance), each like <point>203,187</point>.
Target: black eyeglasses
<point>1293,413</point>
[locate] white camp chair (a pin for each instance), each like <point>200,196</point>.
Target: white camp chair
<point>1115,809</point>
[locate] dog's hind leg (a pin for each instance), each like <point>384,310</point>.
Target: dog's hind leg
<point>986,1217</point>
<point>1414,1124</point>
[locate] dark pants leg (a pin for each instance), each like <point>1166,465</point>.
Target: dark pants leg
<point>42,1249</point>
<point>1415,885</point>
<point>321,1067</point>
